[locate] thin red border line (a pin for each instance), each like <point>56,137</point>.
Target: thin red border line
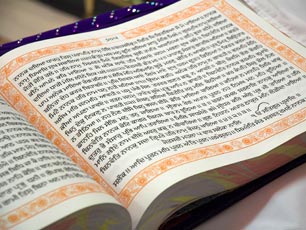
<point>245,31</point>
<point>213,6</point>
<point>54,129</point>
<point>47,55</point>
<point>303,67</point>
<point>60,135</point>
<point>241,137</point>
<point>119,193</point>
<point>54,204</point>
<point>98,38</point>
<point>219,9</point>
<point>190,161</point>
<point>183,18</point>
<point>33,107</point>
<point>223,142</point>
<point>65,140</point>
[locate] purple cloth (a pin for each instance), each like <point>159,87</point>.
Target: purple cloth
<point>98,22</point>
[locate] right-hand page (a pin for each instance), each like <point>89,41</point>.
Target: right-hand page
<point>193,87</point>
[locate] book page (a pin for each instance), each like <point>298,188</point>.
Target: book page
<point>199,85</point>
<point>38,182</point>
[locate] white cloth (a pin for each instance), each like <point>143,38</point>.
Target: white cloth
<point>280,205</point>
<point>289,16</point>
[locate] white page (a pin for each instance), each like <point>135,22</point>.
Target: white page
<point>132,171</point>
<point>38,181</point>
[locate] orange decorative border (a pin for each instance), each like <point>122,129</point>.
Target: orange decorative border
<point>256,32</point>
<point>21,104</point>
<point>133,187</point>
<point>45,202</point>
<point>44,52</point>
<point>137,183</point>
<point>169,20</point>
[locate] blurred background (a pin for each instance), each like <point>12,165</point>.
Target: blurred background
<point>22,18</point>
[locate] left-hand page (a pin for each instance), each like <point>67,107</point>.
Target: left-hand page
<point>39,185</point>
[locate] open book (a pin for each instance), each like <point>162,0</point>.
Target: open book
<point>122,127</point>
